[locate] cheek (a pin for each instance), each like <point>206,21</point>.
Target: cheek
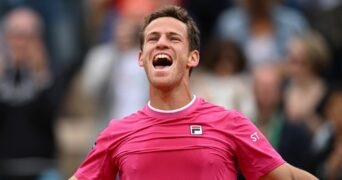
<point>143,59</point>
<point>184,59</point>
<point>182,64</point>
<point>181,70</point>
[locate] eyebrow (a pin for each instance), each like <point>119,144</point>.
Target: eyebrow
<point>155,33</point>
<point>174,34</point>
<point>152,34</point>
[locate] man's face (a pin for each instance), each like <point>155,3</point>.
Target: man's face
<point>165,54</point>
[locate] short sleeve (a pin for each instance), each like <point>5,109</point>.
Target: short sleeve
<point>98,165</point>
<point>255,155</point>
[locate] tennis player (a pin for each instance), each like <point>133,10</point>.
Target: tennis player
<point>178,135</point>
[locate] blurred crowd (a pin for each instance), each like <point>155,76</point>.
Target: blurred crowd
<point>69,67</point>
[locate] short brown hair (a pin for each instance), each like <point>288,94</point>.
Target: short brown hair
<point>317,51</point>
<point>179,14</point>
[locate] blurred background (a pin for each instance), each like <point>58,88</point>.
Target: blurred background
<point>67,67</point>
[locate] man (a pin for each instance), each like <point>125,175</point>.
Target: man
<point>176,135</point>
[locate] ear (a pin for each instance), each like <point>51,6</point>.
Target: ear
<point>193,58</point>
<point>140,60</point>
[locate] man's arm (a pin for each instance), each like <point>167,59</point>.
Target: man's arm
<point>287,171</point>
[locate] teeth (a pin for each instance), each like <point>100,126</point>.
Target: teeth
<point>160,56</point>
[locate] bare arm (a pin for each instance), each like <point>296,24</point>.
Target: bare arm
<point>73,178</point>
<point>287,171</point>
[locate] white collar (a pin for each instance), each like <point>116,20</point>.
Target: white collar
<point>173,110</point>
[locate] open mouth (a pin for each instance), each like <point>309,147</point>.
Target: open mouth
<point>161,61</point>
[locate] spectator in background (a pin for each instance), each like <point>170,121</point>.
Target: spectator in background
<point>291,140</point>
<point>120,87</point>
<point>326,147</point>
<point>222,79</point>
<point>329,24</point>
<point>262,28</point>
<point>333,164</point>
<point>63,36</point>
<point>27,112</point>
<point>308,58</point>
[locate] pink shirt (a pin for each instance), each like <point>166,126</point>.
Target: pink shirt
<point>201,141</point>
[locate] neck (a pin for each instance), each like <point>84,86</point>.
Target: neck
<point>171,99</point>
<point>307,81</point>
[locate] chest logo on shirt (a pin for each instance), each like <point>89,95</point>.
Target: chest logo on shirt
<point>196,130</point>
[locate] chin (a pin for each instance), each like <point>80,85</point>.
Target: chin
<point>162,84</point>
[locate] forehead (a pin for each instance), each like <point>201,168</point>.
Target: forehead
<point>166,25</point>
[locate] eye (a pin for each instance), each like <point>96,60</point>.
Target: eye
<point>152,38</point>
<point>175,39</point>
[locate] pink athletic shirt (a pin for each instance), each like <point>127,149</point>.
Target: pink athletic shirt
<point>199,141</point>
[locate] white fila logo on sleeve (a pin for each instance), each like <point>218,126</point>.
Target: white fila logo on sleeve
<point>196,129</point>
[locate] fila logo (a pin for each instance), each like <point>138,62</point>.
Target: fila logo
<point>196,129</point>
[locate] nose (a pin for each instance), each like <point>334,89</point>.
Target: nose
<point>162,42</point>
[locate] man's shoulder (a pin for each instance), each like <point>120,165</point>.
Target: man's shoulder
<point>128,121</point>
<point>211,108</point>
<point>119,129</point>
<point>228,120</point>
